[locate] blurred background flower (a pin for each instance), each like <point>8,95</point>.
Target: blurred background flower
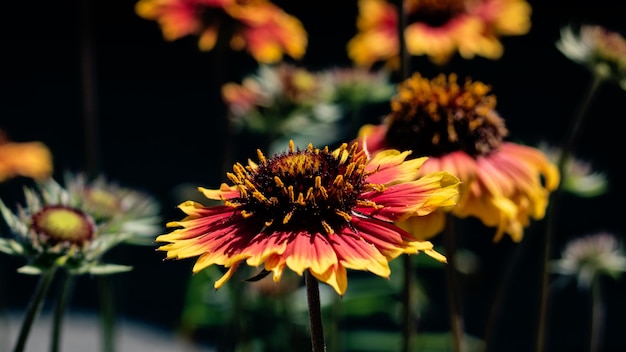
<point>599,49</point>
<point>586,258</point>
<point>455,124</point>
<point>258,26</point>
<point>25,159</point>
<point>437,29</point>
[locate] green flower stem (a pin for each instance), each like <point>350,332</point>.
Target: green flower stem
<point>408,319</point>
<point>315,313</point>
<point>107,313</point>
<point>408,304</point>
<point>34,307</point>
<point>566,150</point>
<point>597,316</point>
<point>59,311</point>
<point>500,295</point>
<point>456,318</point>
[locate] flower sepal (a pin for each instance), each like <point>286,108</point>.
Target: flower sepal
<point>103,269</point>
<point>10,246</point>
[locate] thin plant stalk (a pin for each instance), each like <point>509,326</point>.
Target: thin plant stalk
<point>60,308</point>
<point>34,307</point>
<point>107,313</point>
<point>408,304</point>
<point>456,318</point>
<point>597,316</point>
<point>315,313</point>
<point>566,150</point>
<point>500,295</point>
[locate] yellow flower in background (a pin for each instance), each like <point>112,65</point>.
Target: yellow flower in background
<point>27,159</point>
<point>504,184</point>
<point>600,50</point>
<point>258,26</point>
<point>437,29</point>
<point>320,210</point>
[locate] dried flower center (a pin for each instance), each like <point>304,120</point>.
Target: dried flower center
<point>434,12</point>
<point>57,224</point>
<point>438,117</point>
<point>312,189</point>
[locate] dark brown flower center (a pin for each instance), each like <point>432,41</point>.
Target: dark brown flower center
<point>434,12</point>
<point>313,189</point>
<point>56,224</point>
<point>437,117</point>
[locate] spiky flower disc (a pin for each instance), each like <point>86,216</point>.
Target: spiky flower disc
<point>456,125</point>
<point>313,209</point>
<point>56,224</point>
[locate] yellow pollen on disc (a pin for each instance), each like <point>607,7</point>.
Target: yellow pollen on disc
<point>343,214</point>
<point>279,182</point>
<point>261,157</point>
<point>329,230</point>
<point>287,217</point>
<point>300,199</point>
<point>64,225</point>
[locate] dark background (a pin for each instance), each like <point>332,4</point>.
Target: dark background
<point>157,126</point>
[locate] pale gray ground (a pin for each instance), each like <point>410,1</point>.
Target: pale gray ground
<point>81,333</point>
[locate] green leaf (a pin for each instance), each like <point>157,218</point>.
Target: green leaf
<point>7,247</point>
<point>30,270</point>
<point>106,269</point>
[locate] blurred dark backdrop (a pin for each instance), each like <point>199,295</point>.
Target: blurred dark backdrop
<point>157,108</point>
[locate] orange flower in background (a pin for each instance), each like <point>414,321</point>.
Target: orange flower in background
<point>504,184</point>
<point>28,159</point>
<point>377,39</point>
<point>437,29</point>
<point>320,210</point>
<point>259,26</point>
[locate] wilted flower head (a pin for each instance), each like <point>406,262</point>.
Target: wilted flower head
<point>281,100</point>
<point>28,159</point>
<point>286,100</point>
<point>578,176</point>
<point>588,257</point>
<point>456,125</point>
<point>319,210</point>
<point>259,26</point>
<point>74,226</point>
<point>602,51</point>
<point>356,87</point>
<point>437,29</point>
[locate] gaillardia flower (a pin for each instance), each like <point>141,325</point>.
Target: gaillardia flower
<point>437,29</point>
<point>75,225</point>
<point>591,256</point>
<point>503,184</point>
<point>319,210</point>
<point>259,26</point>
<point>600,50</point>
<point>27,159</point>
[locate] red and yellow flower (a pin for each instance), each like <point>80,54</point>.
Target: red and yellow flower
<point>504,184</point>
<point>259,26</point>
<point>437,29</point>
<point>319,210</point>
